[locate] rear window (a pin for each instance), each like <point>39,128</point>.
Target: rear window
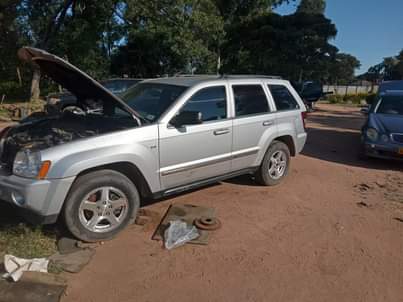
<point>250,99</point>
<point>283,98</point>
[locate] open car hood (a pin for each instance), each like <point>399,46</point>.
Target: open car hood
<point>73,79</point>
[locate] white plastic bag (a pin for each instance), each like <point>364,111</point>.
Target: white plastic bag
<point>15,266</point>
<point>178,233</point>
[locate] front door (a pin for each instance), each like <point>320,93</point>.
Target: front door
<point>196,152</point>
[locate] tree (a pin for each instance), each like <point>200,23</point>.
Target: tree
<point>235,10</point>
<point>391,68</point>
<point>170,36</point>
<point>343,68</point>
<point>312,7</point>
<point>399,65</point>
<point>43,19</point>
<point>11,38</point>
<point>78,30</point>
<point>294,46</point>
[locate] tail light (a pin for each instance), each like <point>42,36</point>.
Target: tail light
<point>303,116</point>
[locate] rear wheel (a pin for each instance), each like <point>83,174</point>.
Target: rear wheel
<point>275,165</point>
<point>100,204</point>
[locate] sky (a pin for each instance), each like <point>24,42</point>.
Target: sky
<point>370,29</point>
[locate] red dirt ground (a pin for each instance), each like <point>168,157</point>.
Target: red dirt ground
<point>332,231</point>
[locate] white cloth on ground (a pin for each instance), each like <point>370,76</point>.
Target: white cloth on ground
<point>15,267</point>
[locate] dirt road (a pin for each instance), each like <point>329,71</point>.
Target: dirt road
<point>332,232</point>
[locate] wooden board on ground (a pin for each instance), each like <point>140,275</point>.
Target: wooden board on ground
<point>187,213</point>
<point>33,287</point>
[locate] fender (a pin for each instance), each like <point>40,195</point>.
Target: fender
<point>138,146</point>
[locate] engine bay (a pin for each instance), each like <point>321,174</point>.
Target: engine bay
<point>48,131</point>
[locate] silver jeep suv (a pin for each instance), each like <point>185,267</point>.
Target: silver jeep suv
<point>163,136</point>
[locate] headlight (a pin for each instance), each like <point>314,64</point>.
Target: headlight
<point>372,134</point>
<point>27,163</point>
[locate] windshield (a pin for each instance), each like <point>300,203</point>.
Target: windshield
<point>119,86</point>
<point>151,100</point>
<point>391,105</point>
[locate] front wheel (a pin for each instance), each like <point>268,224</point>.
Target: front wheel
<point>100,204</point>
<point>275,165</point>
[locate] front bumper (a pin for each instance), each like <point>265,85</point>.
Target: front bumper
<point>39,201</point>
<point>384,151</point>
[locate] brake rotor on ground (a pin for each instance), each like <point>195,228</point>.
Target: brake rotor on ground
<point>207,223</point>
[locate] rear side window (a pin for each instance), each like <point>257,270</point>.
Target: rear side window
<point>283,98</point>
<point>250,99</point>
<point>211,102</point>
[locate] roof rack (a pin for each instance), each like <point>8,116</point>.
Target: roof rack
<point>230,76</point>
<point>237,76</point>
<point>195,75</point>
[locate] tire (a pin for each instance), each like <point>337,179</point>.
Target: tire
<point>277,151</point>
<point>100,205</point>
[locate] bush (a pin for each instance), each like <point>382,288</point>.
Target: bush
<point>335,99</point>
<point>347,99</point>
<point>13,90</point>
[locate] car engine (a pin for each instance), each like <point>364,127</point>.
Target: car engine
<point>49,131</point>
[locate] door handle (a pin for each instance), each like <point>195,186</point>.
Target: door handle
<point>221,131</point>
<point>268,123</point>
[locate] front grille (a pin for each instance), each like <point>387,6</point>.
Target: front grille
<point>397,137</point>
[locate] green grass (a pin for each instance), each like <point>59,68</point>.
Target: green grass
<point>4,113</point>
<point>23,240</point>
<point>351,99</point>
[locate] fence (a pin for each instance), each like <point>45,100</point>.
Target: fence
<point>349,89</point>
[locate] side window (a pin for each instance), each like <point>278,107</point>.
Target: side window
<point>283,98</point>
<point>249,99</point>
<point>211,102</point>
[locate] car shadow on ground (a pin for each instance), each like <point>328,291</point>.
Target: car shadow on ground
<point>343,147</point>
<point>243,180</point>
<point>148,201</point>
<point>9,216</point>
<point>14,226</point>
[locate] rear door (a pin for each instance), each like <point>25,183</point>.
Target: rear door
<point>253,125</point>
<point>197,152</point>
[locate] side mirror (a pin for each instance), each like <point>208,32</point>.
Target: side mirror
<point>187,118</point>
<point>364,110</point>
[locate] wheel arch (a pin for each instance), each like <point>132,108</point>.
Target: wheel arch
<point>289,141</point>
<point>131,171</point>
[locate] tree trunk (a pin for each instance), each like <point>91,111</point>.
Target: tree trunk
<point>218,64</point>
<point>35,90</point>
